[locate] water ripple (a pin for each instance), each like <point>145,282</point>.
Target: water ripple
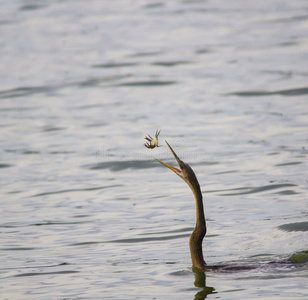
<point>77,190</point>
<point>24,91</point>
<point>47,223</point>
<point>150,239</point>
<point>170,63</point>
<point>289,92</point>
<point>136,240</point>
<point>289,164</point>
<point>31,7</point>
<point>170,231</point>
<point>123,165</point>
<point>139,240</point>
<point>147,83</point>
<point>252,190</point>
<point>19,249</point>
<point>45,273</point>
<point>5,166</point>
<point>115,65</point>
<point>93,82</point>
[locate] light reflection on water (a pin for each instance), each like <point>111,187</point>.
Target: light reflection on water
<point>87,213</point>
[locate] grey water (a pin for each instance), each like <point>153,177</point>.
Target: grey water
<point>87,213</point>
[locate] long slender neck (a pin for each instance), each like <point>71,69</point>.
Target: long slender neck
<point>196,238</point>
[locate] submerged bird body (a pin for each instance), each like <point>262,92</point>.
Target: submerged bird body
<point>196,238</point>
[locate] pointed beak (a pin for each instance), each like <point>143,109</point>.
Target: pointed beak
<point>175,170</point>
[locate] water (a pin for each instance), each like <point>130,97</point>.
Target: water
<point>86,213</point>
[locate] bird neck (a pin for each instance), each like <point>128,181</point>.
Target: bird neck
<point>196,238</point>
<point>200,219</point>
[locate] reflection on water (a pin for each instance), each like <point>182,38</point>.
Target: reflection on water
<point>200,282</point>
<point>86,212</point>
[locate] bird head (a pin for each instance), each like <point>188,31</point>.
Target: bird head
<point>184,171</point>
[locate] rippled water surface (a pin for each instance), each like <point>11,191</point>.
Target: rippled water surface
<point>86,213</point>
